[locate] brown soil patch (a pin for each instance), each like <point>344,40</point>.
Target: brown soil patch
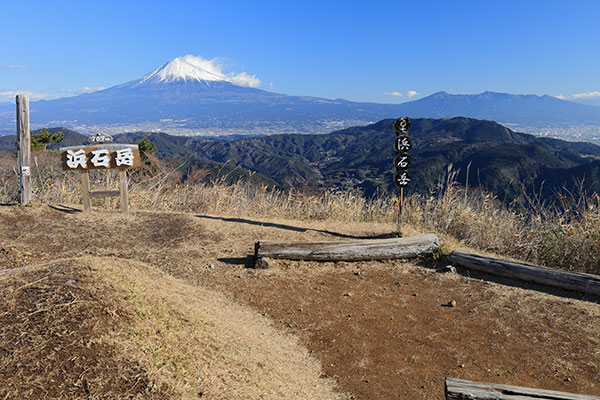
<point>54,321</point>
<point>379,328</point>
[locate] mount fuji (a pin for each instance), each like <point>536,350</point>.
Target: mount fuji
<point>193,96</point>
<point>189,96</point>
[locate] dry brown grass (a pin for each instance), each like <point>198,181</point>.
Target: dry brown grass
<point>104,327</point>
<point>56,325</point>
<point>565,236</point>
<point>540,234</point>
<point>200,342</point>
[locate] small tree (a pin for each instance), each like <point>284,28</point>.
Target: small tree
<point>41,140</point>
<point>146,148</point>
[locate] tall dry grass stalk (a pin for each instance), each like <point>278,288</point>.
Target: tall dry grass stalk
<point>565,236</point>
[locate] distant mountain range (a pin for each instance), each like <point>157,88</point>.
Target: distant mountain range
<point>181,98</point>
<point>506,163</point>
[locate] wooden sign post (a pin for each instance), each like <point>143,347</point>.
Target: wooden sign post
<point>101,156</point>
<point>402,145</point>
<point>23,149</point>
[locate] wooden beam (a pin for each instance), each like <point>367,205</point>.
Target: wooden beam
<point>23,149</point>
<point>104,193</point>
<point>85,191</point>
<point>580,282</point>
<point>460,389</point>
<point>348,250</point>
<point>124,191</point>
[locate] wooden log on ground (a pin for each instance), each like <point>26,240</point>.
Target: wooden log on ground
<point>347,250</point>
<point>580,282</point>
<point>459,389</point>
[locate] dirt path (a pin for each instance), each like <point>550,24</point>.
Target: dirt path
<point>379,328</point>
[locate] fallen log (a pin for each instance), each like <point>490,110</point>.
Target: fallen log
<point>580,282</point>
<point>460,389</point>
<point>347,250</point>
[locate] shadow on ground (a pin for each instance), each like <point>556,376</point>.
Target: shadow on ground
<point>65,209</point>
<point>300,229</point>
<point>247,261</point>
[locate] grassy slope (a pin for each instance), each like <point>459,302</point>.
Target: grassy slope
<point>104,327</point>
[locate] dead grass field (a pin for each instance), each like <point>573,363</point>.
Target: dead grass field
<point>167,299</point>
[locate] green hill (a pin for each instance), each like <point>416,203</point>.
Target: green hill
<point>506,163</point>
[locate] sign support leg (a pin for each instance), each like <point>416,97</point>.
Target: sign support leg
<point>85,190</point>
<point>124,191</point>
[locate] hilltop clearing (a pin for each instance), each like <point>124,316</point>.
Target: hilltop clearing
<point>162,303</point>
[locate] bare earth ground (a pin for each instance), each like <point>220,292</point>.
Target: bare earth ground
<point>379,329</point>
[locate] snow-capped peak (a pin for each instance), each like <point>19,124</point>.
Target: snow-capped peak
<point>192,68</point>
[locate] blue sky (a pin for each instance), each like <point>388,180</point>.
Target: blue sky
<point>362,51</point>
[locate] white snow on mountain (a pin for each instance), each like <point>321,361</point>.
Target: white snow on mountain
<point>194,68</point>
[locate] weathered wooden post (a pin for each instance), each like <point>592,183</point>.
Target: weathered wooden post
<point>23,149</point>
<point>402,144</point>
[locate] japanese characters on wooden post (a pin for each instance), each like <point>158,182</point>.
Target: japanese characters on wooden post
<point>101,156</point>
<point>402,145</point>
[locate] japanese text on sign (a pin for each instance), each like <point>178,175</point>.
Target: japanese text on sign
<point>402,145</point>
<point>110,156</point>
<point>402,178</point>
<point>402,125</point>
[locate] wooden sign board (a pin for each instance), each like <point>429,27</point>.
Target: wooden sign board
<point>402,161</point>
<point>402,178</point>
<point>101,156</point>
<point>402,144</point>
<point>402,125</point>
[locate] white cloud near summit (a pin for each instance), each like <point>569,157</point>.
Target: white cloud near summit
<point>198,68</point>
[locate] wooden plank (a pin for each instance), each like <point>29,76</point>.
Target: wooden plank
<point>460,389</point>
<point>85,191</point>
<point>104,193</point>
<point>580,282</point>
<point>23,149</point>
<point>124,191</point>
<point>348,250</point>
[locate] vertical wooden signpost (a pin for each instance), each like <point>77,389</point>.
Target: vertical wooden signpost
<point>101,156</point>
<point>23,149</point>
<point>402,145</point>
